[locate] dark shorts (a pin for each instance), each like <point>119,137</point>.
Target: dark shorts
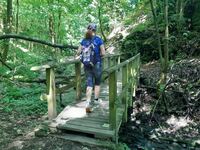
<point>93,75</point>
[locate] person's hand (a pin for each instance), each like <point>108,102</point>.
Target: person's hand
<point>76,56</point>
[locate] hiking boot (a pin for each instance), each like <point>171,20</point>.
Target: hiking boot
<point>97,102</point>
<point>89,107</point>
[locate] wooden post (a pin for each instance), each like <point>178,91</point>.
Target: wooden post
<point>124,98</point>
<point>109,61</point>
<point>134,78</point>
<point>118,59</point>
<point>103,63</point>
<point>78,80</point>
<point>51,93</point>
<point>114,61</point>
<point>130,79</point>
<point>112,99</point>
<point>138,70</point>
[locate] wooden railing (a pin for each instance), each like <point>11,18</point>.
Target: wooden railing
<point>108,61</point>
<point>119,102</point>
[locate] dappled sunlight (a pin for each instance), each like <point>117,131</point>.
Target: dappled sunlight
<point>17,77</point>
<point>1,26</point>
<point>74,112</point>
<point>68,59</point>
<point>178,122</point>
<point>21,48</point>
<point>111,49</point>
<point>140,20</point>
<point>120,29</point>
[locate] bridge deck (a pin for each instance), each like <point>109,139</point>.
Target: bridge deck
<point>74,117</point>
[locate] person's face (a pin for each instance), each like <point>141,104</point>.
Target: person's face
<point>89,34</point>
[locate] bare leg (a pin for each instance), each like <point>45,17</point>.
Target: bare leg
<point>96,91</point>
<point>88,96</point>
<point>89,93</point>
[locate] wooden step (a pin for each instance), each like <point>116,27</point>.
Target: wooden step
<point>88,140</point>
<point>85,129</point>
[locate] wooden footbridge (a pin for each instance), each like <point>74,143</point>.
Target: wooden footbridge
<point>120,80</point>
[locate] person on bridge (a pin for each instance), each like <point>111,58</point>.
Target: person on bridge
<point>91,50</point>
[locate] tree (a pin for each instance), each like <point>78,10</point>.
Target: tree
<point>17,16</point>
<point>100,20</point>
<point>157,33</point>
<point>7,29</point>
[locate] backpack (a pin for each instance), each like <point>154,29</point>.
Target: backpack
<point>88,55</point>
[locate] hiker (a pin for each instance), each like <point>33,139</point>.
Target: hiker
<point>91,50</point>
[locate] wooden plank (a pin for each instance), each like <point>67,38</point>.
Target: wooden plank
<point>88,141</point>
<point>78,128</point>
<point>42,67</point>
<point>89,124</point>
<point>78,81</point>
<point>83,120</point>
<point>112,99</point>
<point>97,119</point>
<point>93,117</point>
<point>51,93</point>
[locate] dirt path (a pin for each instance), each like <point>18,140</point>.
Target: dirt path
<point>18,132</point>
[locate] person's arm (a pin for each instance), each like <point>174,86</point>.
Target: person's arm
<point>79,50</point>
<point>102,50</point>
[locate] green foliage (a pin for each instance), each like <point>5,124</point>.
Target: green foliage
<point>142,41</point>
<point>23,100</point>
<point>122,146</point>
<point>183,42</point>
<point>29,106</point>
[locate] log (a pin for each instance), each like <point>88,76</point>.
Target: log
<point>31,39</point>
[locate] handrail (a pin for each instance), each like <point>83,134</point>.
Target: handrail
<point>66,61</point>
<point>117,67</point>
<point>130,77</point>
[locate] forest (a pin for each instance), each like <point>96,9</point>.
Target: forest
<point>35,34</point>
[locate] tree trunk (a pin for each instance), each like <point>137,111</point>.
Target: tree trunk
<point>100,21</point>
<point>17,17</point>
<point>51,28</point>
<point>157,33</point>
<point>8,29</point>
<point>59,24</point>
<point>166,47</point>
<point>164,70</point>
<point>51,22</point>
<point>179,13</point>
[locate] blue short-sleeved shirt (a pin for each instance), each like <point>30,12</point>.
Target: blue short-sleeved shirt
<point>97,41</point>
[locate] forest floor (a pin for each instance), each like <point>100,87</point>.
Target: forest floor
<point>149,126</point>
<point>146,129</point>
